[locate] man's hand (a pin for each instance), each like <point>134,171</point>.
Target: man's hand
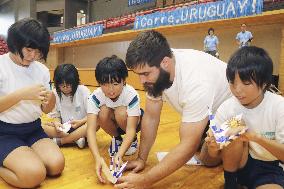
<point>133,181</point>
<point>136,165</point>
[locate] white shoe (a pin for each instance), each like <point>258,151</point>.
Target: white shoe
<point>132,149</point>
<point>57,141</point>
<point>81,142</point>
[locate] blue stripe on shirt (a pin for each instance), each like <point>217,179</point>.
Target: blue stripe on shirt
<point>133,102</point>
<point>96,101</point>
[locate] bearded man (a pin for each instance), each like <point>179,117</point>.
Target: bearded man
<point>191,81</point>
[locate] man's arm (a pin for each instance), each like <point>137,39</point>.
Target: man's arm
<point>149,127</point>
<point>190,136</point>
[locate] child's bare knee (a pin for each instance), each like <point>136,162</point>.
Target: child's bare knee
<point>120,114</point>
<point>32,177</point>
<point>104,115</point>
<point>56,166</point>
<point>103,118</point>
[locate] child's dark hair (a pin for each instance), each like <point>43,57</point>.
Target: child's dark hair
<point>149,47</point>
<point>29,33</point>
<point>68,74</point>
<point>252,64</point>
<point>210,29</point>
<point>111,69</point>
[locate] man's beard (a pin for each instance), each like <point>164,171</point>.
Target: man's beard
<point>163,82</point>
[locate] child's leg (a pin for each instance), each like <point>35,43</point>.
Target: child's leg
<point>75,135</point>
<point>50,155</point>
<point>234,157</point>
<point>233,154</point>
<point>106,121</point>
<point>270,186</point>
<point>23,168</point>
<point>130,141</point>
<point>121,117</point>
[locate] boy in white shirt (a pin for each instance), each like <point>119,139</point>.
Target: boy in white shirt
<point>71,107</point>
<point>27,155</point>
<point>254,159</point>
<point>115,107</point>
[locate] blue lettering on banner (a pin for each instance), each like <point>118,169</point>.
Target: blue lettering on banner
<point>138,2</point>
<point>200,13</point>
<point>77,33</point>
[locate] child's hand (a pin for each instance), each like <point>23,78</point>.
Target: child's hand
<point>47,97</point>
<point>213,147</point>
<point>76,123</point>
<point>249,136</point>
<point>99,171</point>
<point>34,92</point>
<point>58,126</point>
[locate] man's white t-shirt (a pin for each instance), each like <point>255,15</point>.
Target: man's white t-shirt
<point>200,83</point>
<point>72,108</point>
<point>266,119</point>
<point>14,77</point>
<point>128,98</point>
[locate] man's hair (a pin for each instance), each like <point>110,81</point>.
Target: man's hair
<point>252,64</point>
<point>29,33</point>
<point>210,29</point>
<point>149,48</point>
<point>68,74</point>
<point>111,69</point>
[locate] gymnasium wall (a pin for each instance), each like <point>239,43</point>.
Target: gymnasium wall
<point>265,36</point>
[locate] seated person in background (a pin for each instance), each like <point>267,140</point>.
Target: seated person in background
<point>252,160</point>
<point>27,155</point>
<point>71,107</point>
<point>115,107</point>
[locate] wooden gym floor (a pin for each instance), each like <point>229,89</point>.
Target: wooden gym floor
<point>79,172</point>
